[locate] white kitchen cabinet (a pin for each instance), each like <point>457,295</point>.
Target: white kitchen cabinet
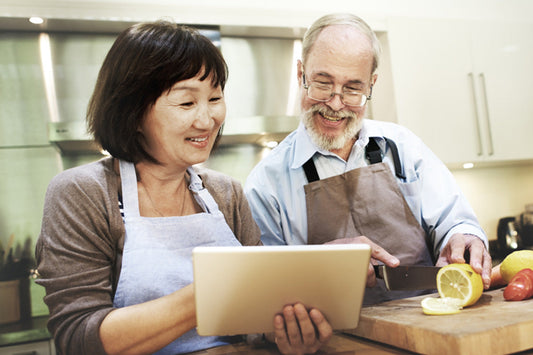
<point>503,59</point>
<point>465,87</point>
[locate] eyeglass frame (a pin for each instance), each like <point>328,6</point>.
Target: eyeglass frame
<point>332,94</point>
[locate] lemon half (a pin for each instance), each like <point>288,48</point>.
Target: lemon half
<point>441,306</point>
<point>461,282</point>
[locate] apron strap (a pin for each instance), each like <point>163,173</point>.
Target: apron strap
<point>395,158</point>
<point>373,154</point>
<point>130,195</point>
<point>310,171</point>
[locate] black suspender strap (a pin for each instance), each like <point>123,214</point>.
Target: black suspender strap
<point>373,154</point>
<point>395,158</point>
<point>310,171</point>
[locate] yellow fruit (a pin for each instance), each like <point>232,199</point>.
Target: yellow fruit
<point>440,306</point>
<point>514,262</point>
<point>460,281</point>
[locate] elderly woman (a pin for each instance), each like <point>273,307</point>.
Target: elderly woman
<point>114,253</point>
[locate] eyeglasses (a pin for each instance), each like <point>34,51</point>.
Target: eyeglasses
<point>324,92</point>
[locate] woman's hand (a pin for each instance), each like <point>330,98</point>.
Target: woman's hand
<point>297,331</point>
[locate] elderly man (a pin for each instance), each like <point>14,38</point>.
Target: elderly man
<point>340,178</point>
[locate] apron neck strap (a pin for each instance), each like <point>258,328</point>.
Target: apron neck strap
<point>310,171</point>
<point>373,154</point>
<point>130,196</point>
<point>396,158</point>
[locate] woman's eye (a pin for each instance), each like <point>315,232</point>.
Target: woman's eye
<point>187,104</point>
<point>215,99</point>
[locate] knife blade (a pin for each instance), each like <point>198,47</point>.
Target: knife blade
<point>408,277</point>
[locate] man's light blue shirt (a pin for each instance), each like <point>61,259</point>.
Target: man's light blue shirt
<point>275,187</point>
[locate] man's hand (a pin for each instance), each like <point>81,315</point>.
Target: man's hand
<point>460,245</point>
<point>297,331</point>
<point>378,254</point>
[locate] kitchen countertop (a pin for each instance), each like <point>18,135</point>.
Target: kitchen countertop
<point>24,332</point>
<point>345,344</point>
<point>339,344</point>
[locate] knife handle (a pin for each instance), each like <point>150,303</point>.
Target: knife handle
<point>378,270</point>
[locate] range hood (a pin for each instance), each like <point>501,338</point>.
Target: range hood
<point>261,93</point>
<point>72,137</point>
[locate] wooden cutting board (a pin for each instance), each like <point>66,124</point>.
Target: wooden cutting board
<point>491,326</point>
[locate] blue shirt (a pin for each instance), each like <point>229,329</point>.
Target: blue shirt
<point>275,187</point>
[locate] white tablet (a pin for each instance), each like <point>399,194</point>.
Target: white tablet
<point>238,290</point>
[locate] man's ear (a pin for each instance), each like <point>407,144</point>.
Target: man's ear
<point>299,72</point>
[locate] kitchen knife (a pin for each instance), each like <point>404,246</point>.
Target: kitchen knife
<point>408,277</point>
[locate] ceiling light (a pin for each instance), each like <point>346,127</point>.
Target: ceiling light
<point>271,144</point>
<point>468,165</point>
<point>36,20</point>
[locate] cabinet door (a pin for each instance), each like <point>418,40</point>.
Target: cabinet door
<point>503,56</point>
<point>432,74</point>
<point>36,348</point>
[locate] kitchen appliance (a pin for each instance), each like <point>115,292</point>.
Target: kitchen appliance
<point>509,238</point>
<point>526,226</point>
<point>515,233</point>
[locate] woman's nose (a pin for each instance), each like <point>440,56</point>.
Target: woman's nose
<point>204,117</point>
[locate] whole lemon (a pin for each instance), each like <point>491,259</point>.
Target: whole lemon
<point>515,262</point>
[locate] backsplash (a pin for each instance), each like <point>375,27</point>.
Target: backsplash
<point>497,192</point>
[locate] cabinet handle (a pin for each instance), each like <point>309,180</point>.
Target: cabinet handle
<point>486,103</point>
<point>476,113</point>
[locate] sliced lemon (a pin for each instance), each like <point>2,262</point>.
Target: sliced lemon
<point>460,281</point>
<point>440,306</point>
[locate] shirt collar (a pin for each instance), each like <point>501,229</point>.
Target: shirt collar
<point>305,148</point>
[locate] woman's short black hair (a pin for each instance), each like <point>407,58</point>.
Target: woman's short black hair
<point>146,60</point>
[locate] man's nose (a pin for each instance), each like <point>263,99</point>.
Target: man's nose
<point>335,103</point>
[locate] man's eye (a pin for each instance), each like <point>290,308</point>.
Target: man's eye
<point>187,104</point>
<point>354,91</point>
<point>216,99</point>
<point>322,86</point>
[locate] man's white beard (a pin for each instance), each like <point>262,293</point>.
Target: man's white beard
<point>327,142</point>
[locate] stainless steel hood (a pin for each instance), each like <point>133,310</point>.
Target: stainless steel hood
<point>261,92</point>
<point>72,137</point>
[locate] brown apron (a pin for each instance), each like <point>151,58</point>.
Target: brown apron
<point>367,202</point>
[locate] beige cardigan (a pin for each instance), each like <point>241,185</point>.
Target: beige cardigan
<point>79,250</point>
